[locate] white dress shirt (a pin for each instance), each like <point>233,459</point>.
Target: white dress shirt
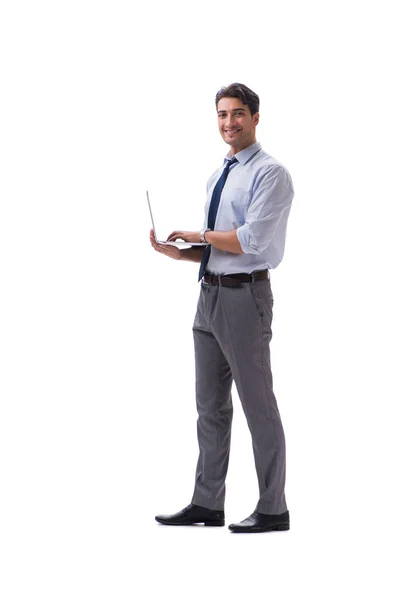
<point>256,201</point>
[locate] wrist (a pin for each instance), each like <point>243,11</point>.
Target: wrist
<point>203,234</point>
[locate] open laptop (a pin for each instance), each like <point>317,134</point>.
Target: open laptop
<point>170,243</point>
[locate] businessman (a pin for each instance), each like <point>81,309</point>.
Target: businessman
<point>248,202</point>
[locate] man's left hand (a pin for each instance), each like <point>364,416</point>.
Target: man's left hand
<point>191,237</point>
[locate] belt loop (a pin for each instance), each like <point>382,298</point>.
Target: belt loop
<point>219,280</point>
<point>252,277</point>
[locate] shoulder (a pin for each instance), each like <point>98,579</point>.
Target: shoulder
<point>266,165</point>
<point>271,176</point>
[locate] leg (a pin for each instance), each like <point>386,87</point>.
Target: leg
<point>214,406</point>
<point>244,332</point>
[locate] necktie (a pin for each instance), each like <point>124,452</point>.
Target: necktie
<point>212,211</point>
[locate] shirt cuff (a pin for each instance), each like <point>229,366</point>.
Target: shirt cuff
<point>246,240</point>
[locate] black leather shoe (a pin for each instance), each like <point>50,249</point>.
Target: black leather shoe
<point>194,514</point>
<point>257,523</point>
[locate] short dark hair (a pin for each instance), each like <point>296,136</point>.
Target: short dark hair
<point>241,91</point>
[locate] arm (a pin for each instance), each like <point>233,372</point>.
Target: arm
<point>193,254</point>
<point>223,240</point>
<point>271,202</point>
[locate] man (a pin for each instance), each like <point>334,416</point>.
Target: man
<point>249,200</point>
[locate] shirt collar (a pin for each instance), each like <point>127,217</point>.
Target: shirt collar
<point>244,155</point>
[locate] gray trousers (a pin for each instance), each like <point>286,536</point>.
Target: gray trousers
<point>232,332</point>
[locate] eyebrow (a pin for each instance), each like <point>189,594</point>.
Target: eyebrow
<point>233,110</point>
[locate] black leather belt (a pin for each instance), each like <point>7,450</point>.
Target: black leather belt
<point>235,279</point>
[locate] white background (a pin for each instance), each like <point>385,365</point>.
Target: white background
<point>101,101</point>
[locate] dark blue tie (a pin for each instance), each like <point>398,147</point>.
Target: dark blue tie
<point>212,211</point>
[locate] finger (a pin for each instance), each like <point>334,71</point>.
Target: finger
<point>172,236</point>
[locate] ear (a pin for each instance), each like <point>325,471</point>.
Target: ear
<point>256,119</point>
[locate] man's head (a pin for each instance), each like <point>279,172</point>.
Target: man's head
<point>237,109</point>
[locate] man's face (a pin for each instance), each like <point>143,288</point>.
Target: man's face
<point>236,124</point>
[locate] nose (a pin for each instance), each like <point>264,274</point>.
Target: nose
<point>230,121</point>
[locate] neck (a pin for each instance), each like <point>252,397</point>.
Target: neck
<point>235,149</point>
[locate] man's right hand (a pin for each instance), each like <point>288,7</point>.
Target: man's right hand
<point>171,251</point>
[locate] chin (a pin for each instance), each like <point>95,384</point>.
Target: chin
<point>232,141</point>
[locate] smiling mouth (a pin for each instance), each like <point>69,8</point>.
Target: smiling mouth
<point>231,131</point>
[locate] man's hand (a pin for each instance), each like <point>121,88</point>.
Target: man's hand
<point>227,241</point>
<point>171,251</point>
<point>191,237</point>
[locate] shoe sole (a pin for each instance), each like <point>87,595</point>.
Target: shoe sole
<point>283,527</point>
<point>206,523</point>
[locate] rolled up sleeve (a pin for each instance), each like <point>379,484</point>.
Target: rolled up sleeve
<point>271,200</point>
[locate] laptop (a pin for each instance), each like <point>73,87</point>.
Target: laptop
<point>170,243</point>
